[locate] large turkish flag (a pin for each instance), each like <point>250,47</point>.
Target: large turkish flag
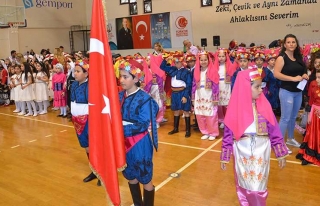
<point>141,32</point>
<point>106,139</point>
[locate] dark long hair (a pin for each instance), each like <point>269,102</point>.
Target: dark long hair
<point>297,52</point>
<point>27,69</point>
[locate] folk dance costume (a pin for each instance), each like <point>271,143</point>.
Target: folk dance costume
<point>310,148</point>
<point>264,72</point>
<point>139,110</point>
<point>205,94</point>
<point>181,84</point>
<point>58,87</point>
<point>80,111</point>
<point>273,86</point>
<point>251,130</point>
<point>242,54</point>
<point>156,91</point>
<point>225,71</point>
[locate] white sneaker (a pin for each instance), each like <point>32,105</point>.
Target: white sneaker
<point>158,125</point>
<point>16,111</point>
<point>27,115</point>
<point>293,142</point>
<point>183,115</point>
<point>21,113</point>
<point>289,151</point>
<point>211,138</point>
<point>164,120</point>
<point>35,114</point>
<point>204,137</point>
<point>221,126</point>
<point>43,112</point>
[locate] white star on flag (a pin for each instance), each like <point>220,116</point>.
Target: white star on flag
<point>141,37</point>
<point>106,109</point>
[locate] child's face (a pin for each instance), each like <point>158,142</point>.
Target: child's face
<point>259,62</point>
<point>204,61</point>
<point>272,62</point>
<point>318,78</point>
<point>7,61</point>
<point>317,63</point>
<point>256,89</point>
<point>222,58</point>
<point>79,75</point>
<point>38,67</point>
<point>127,81</point>
<point>22,67</point>
<point>17,70</point>
<point>243,63</point>
<point>178,64</point>
<point>191,64</point>
<point>12,70</point>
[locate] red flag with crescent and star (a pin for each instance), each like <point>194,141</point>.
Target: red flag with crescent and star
<point>141,32</point>
<point>106,139</point>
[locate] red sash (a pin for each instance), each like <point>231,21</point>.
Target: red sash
<point>79,123</point>
<point>129,142</point>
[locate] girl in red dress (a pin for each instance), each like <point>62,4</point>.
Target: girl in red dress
<point>310,148</point>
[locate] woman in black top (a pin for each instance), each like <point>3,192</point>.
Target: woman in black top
<point>291,70</point>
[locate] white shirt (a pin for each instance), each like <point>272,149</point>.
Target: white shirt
<point>222,71</point>
<point>177,83</point>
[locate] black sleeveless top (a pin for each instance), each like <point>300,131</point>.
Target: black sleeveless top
<point>291,68</point>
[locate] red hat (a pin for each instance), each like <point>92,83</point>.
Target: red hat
<point>190,57</point>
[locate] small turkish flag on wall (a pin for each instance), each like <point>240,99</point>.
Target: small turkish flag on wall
<point>141,32</point>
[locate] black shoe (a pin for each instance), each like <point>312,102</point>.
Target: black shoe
<point>304,162</point>
<point>176,125</point>
<point>90,177</point>
<point>60,115</point>
<point>188,132</point>
<point>136,194</point>
<point>148,197</point>
<point>99,183</point>
<point>64,116</point>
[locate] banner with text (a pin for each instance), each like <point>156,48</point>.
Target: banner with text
<point>181,28</point>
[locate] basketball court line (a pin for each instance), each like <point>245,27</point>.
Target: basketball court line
<point>37,120</point>
<point>167,143</point>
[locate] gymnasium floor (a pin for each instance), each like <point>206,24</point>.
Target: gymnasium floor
<point>41,163</point>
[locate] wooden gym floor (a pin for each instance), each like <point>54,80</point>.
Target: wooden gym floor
<point>41,163</point>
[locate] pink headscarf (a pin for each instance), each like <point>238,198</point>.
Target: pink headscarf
<point>240,112</point>
<point>155,62</point>
<point>229,66</point>
<point>211,71</point>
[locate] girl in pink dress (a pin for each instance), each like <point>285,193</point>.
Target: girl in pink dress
<point>59,90</point>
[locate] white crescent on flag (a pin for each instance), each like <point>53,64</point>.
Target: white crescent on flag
<point>96,46</point>
<point>141,23</point>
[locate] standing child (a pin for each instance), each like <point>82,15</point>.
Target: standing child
<point>41,88</point>
<point>259,58</point>
<point>59,90</point>
<point>181,84</point>
<point>138,111</point>
<point>273,84</point>
<point>310,148</point>
<point>225,69</point>
<point>242,59</point>
<point>27,93</point>
<point>16,88</point>
<point>205,95</point>
<point>251,130</point>
<point>79,108</point>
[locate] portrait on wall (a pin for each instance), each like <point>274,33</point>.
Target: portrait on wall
<point>133,8</point>
<point>124,33</point>
<point>147,7</point>
<point>206,3</point>
<point>132,1</point>
<point>222,2</point>
<point>124,2</point>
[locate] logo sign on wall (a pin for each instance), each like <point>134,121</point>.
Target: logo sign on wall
<point>47,4</point>
<point>27,4</point>
<point>181,27</point>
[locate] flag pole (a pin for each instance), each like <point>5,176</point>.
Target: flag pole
<point>104,4</point>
